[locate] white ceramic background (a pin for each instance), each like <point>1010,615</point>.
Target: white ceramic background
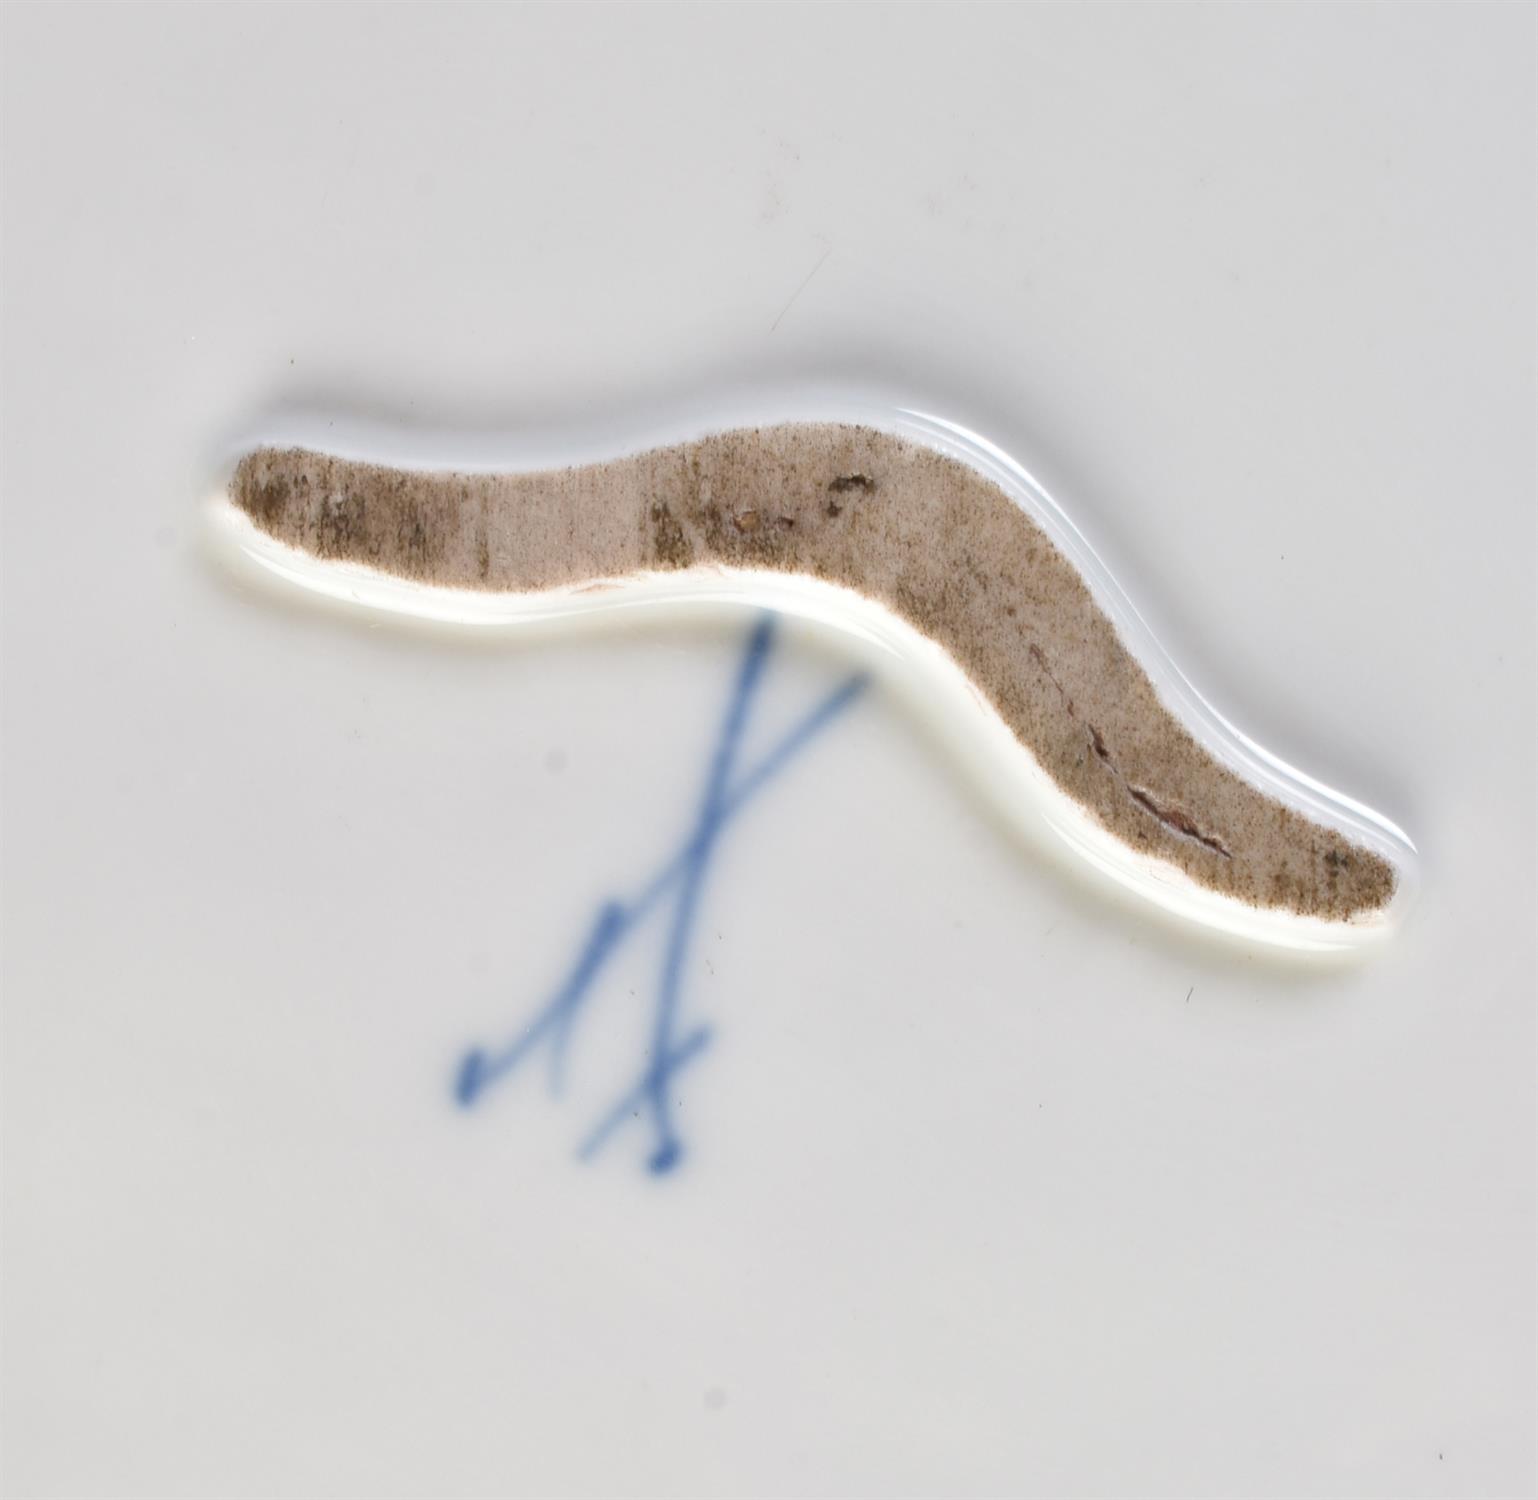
<point>995,1184</point>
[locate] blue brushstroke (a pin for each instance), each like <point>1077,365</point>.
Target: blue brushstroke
<point>682,878</point>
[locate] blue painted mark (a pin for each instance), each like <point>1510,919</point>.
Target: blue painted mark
<point>682,880</point>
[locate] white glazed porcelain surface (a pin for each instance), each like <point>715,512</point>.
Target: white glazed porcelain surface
<point>990,1179</point>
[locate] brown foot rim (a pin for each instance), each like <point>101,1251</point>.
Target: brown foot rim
<point>934,541</point>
